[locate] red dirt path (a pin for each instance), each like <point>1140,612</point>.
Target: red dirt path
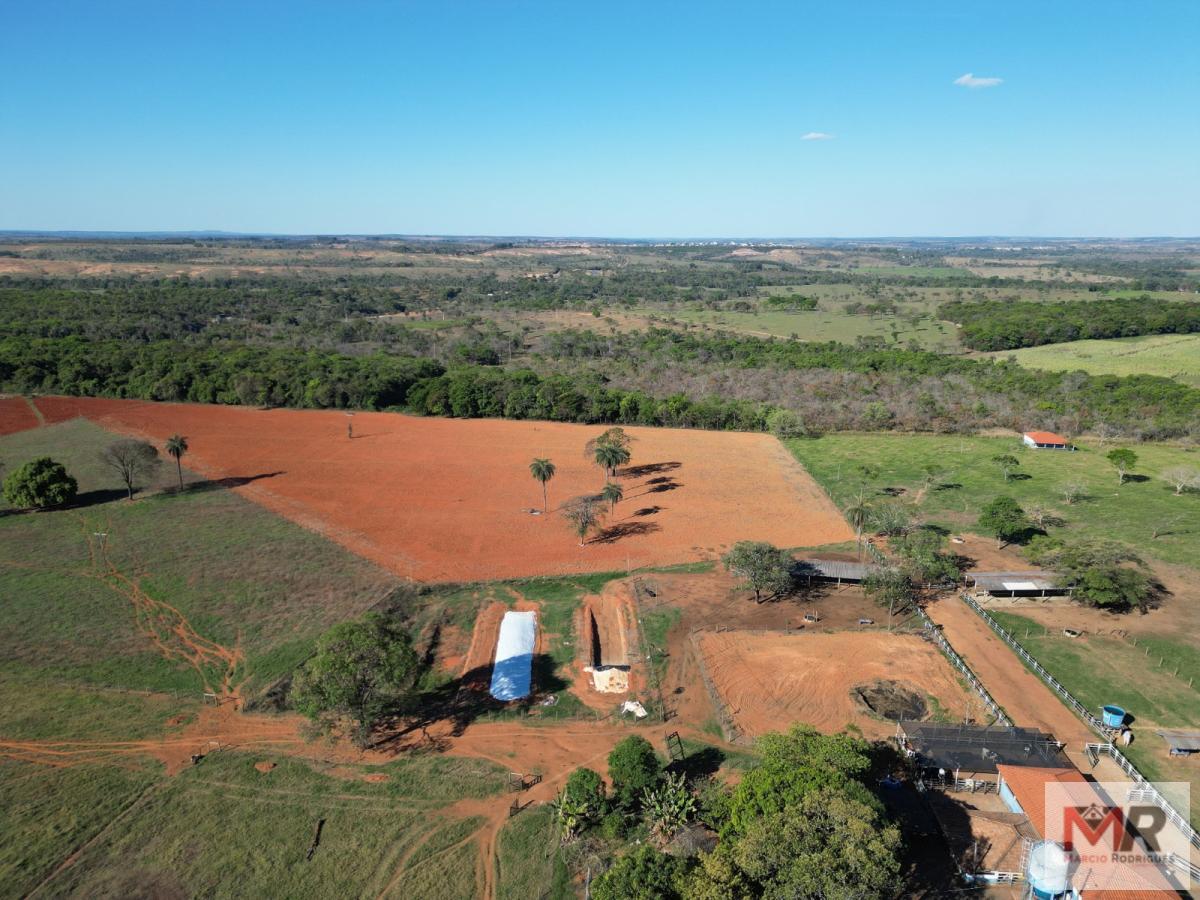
<point>449,500</point>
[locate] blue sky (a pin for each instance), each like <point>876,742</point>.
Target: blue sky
<point>615,119</point>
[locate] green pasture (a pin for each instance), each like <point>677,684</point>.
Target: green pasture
<point>968,479</point>
<point>1169,355</point>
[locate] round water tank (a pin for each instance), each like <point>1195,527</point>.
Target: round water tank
<point>1048,870</point>
<point>1114,716</point>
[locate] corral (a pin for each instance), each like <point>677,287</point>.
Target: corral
<point>452,500</point>
<point>767,681</point>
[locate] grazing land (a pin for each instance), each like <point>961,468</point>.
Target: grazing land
<point>968,479</point>
<point>444,500</point>
<point>1169,355</point>
<point>1151,676</point>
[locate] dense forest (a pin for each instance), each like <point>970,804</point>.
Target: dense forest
<point>472,329</point>
<point>659,377</point>
<point>1009,325</point>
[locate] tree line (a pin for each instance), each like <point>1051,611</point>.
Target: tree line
<point>658,377</point>
<point>1011,324</point>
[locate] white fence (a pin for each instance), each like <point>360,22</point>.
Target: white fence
<point>1145,790</point>
<point>957,661</point>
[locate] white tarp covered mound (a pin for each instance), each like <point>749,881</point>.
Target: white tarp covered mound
<point>512,672</point>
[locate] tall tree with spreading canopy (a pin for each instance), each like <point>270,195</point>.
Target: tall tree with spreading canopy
<point>1124,461</point>
<point>1008,464</point>
<point>1005,519</point>
<point>542,471</point>
<point>360,671</point>
<point>177,446</point>
<point>762,567</point>
<point>134,461</point>
<point>634,768</point>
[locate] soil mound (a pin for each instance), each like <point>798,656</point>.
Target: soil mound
<point>892,700</point>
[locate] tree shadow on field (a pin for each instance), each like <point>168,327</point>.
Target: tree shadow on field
<point>648,511</point>
<point>649,469</point>
<point>614,533</point>
<point>460,702</point>
<point>230,481</point>
<point>95,498</point>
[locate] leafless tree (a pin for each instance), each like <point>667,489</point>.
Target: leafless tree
<point>134,461</point>
<point>1072,492</point>
<point>1182,478</point>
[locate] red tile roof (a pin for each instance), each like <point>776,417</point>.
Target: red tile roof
<point>1046,437</point>
<point>1109,882</point>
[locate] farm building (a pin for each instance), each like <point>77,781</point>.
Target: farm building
<point>1180,742</point>
<point>975,752</point>
<point>1042,795</point>
<point>1045,440</point>
<point>835,570</point>
<point>1017,584</point>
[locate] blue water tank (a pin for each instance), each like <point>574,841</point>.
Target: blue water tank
<point>1114,716</point>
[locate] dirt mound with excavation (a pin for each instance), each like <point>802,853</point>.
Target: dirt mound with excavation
<point>892,700</point>
<point>764,681</point>
<point>452,500</point>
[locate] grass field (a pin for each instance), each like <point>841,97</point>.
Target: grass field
<point>821,325</point>
<point>224,829</point>
<point>1169,355</point>
<point>237,574</point>
<point>970,479</point>
<point>1139,677</point>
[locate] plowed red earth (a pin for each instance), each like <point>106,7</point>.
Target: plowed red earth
<point>16,415</point>
<point>450,500</point>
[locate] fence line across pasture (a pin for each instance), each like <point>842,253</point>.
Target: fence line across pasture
<point>1145,791</point>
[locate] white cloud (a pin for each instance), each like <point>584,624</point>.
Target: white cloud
<point>817,136</point>
<point>971,81</point>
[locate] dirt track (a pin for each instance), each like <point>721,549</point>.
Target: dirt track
<point>1028,702</point>
<point>769,681</point>
<point>452,500</point>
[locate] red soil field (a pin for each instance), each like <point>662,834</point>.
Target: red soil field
<point>768,681</point>
<point>16,415</point>
<point>452,500</point>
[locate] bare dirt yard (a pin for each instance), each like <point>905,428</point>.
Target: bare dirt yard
<point>767,681</point>
<point>453,500</point>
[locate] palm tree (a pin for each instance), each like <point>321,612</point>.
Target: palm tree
<point>177,446</point>
<point>613,494</point>
<point>542,470</point>
<point>858,514</point>
<point>609,456</point>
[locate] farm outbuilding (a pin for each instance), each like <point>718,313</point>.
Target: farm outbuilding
<point>971,751</point>
<point>1017,584</point>
<point>1045,440</point>
<point>1180,742</point>
<point>835,570</point>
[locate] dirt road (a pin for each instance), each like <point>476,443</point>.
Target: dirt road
<point>1026,699</point>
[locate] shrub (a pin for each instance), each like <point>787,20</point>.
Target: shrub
<point>39,484</point>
